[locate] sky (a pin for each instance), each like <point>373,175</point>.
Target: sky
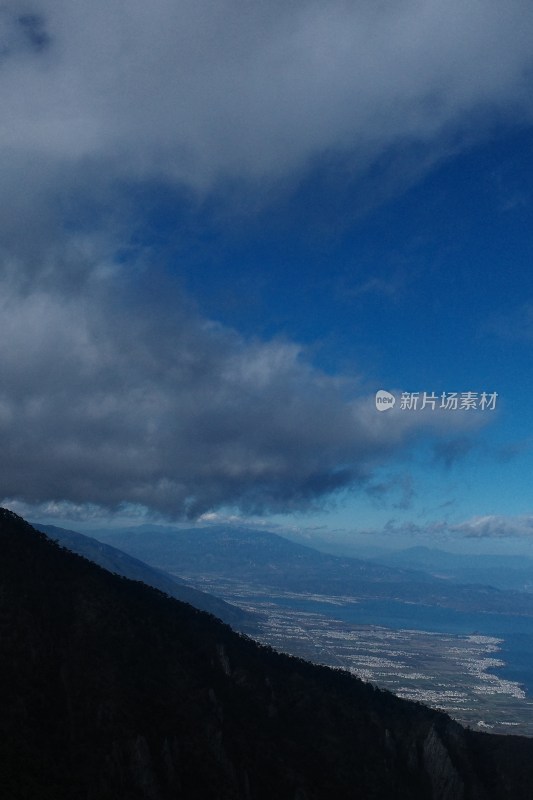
<point>225,226</point>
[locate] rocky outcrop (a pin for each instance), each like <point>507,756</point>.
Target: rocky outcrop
<point>446,783</point>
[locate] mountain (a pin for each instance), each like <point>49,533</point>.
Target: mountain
<point>262,558</point>
<point>116,561</point>
<point>498,570</point>
<point>109,689</point>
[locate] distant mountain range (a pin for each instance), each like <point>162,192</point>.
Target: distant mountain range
<point>121,563</point>
<point>109,689</point>
<point>501,571</point>
<point>269,560</point>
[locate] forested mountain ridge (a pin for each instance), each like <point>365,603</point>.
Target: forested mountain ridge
<point>110,689</point>
<point>121,563</point>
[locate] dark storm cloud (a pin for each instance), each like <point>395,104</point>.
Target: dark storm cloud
<point>107,399</point>
<point>34,31</point>
<point>107,402</point>
<point>21,32</point>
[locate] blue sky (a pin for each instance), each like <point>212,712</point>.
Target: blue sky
<point>221,235</point>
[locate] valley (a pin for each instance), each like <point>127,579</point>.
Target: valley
<point>462,674</point>
<point>464,648</point>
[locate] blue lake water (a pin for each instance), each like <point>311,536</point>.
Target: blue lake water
<point>516,632</point>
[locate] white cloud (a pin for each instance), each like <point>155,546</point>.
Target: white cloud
<point>496,527</point>
<point>199,90</point>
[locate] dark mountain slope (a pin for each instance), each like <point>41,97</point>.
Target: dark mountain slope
<point>109,689</point>
<point>121,563</point>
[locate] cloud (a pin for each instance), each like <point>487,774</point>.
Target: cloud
<point>401,485</point>
<point>496,527</point>
<point>114,388</point>
<point>449,451</point>
<point>198,92</point>
<point>481,527</point>
<point>111,396</point>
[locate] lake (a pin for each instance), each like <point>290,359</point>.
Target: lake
<point>516,632</point>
